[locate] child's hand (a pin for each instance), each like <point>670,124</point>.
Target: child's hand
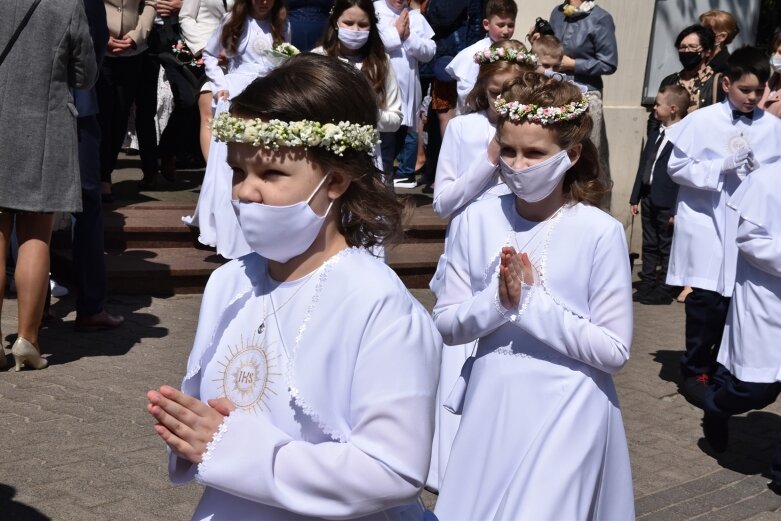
<point>185,423</point>
<point>402,25</point>
<point>515,269</point>
<point>633,209</point>
<point>742,157</point>
<point>221,95</point>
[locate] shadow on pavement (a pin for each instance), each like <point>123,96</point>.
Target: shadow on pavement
<point>58,337</point>
<point>670,361</point>
<point>14,511</point>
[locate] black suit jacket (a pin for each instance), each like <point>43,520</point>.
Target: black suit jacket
<point>663,192</point>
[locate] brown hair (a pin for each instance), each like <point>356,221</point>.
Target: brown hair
<point>477,99</point>
<point>677,96</point>
<point>581,182</point>
<point>231,31</point>
<point>311,86</point>
<point>375,62</point>
<point>721,22</point>
<point>506,8</point>
<point>548,45</point>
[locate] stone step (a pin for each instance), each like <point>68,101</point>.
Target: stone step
<point>170,271</point>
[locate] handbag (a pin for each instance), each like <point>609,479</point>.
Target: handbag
<point>18,31</point>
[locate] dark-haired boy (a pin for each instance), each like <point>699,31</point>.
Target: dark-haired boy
<point>499,23</point>
<point>656,194</point>
<point>715,148</point>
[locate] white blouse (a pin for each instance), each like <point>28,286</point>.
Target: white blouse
<point>703,251</point>
<point>335,393</point>
<point>198,19</point>
<point>406,55</point>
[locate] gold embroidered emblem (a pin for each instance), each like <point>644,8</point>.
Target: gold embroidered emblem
<point>247,375</point>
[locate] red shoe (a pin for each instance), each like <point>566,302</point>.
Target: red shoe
<point>99,322</point>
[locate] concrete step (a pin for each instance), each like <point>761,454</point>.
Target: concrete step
<point>171,271</point>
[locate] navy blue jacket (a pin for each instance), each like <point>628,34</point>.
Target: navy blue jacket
<point>86,100</point>
<point>663,191</point>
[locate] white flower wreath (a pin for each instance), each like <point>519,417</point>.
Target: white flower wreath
<point>494,54</point>
<point>272,134</point>
<point>515,111</point>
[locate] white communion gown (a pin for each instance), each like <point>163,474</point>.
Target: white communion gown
<point>541,434</point>
<point>464,175</point>
<point>214,216</point>
<point>333,376</point>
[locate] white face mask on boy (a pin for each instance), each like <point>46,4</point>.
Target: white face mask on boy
<point>535,183</point>
<point>775,62</point>
<point>352,39</point>
<point>280,233</point>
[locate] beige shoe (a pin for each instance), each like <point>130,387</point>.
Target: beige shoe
<point>26,354</point>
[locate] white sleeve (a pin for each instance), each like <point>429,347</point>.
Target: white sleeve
<point>759,248</point>
<point>456,185</point>
<point>686,171</point>
<point>188,16</point>
<point>419,44</point>
<point>211,54</point>
<point>383,463</point>
<point>390,115</point>
<point>460,314</point>
<point>388,34</point>
<point>601,340</point>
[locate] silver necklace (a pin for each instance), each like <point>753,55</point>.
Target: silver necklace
<point>275,309</point>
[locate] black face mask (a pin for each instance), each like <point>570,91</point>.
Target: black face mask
<point>690,60</point>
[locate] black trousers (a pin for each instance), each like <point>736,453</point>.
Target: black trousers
<point>706,314</point>
<point>727,396</point>
<point>89,264</point>
<point>391,145</point>
<point>657,241</point>
<point>116,88</point>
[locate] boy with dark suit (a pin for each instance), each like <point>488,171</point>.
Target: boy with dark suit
<point>656,194</point>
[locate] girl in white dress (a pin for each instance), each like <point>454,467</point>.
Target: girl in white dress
<point>309,391</point>
<point>246,38</point>
<point>540,278</point>
<point>466,172</point>
<point>352,35</point>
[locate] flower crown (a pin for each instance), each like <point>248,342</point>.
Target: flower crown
<point>494,54</point>
<point>515,111</point>
<point>272,134</point>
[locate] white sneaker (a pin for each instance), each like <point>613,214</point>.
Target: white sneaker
<point>57,290</point>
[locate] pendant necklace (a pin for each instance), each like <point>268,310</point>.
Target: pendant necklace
<point>274,309</point>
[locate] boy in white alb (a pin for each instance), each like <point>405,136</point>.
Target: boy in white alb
<point>499,23</point>
<point>407,38</point>
<point>715,149</point>
<point>750,375</point>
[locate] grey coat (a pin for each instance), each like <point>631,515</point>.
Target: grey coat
<point>39,167</point>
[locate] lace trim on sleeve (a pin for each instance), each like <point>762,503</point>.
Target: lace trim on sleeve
<point>216,439</point>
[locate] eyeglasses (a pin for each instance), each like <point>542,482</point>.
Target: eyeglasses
<point>690,48</point>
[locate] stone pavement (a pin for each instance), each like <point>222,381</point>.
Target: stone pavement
<point>78,445</point>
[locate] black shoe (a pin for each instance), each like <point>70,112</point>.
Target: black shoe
<point>775,486</point>
<point>693,388</point>
<point>643,290</point>
<point>716,432</point>
<point>658,297</point>
<point>428,189</point>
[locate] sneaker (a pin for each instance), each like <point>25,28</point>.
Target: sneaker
<point>643,290</point>
<point>57,289</point>
<point>716,432</point>
<point>657,297</point>
<point>405,182</point>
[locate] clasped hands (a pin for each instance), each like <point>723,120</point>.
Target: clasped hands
<point>402,25</point>
<point>186,424</point>
<point>743,157</point>
<point>515,269</point>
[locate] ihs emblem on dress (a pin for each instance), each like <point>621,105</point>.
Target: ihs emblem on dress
<point>247,375</point>
<point>737,142</point>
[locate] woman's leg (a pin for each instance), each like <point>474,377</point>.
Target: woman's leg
<point>205,111</point>
<point>6,227</point>
<point>32,271</point>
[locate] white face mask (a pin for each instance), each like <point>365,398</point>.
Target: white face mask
<point>352,39</point>
<point>535,183</point>
<point>775,62</point>
<point>280,233</point>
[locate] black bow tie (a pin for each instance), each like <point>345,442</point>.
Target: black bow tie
<point>737,114</point>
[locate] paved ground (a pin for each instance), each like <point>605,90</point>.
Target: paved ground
<point>78,445</point>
